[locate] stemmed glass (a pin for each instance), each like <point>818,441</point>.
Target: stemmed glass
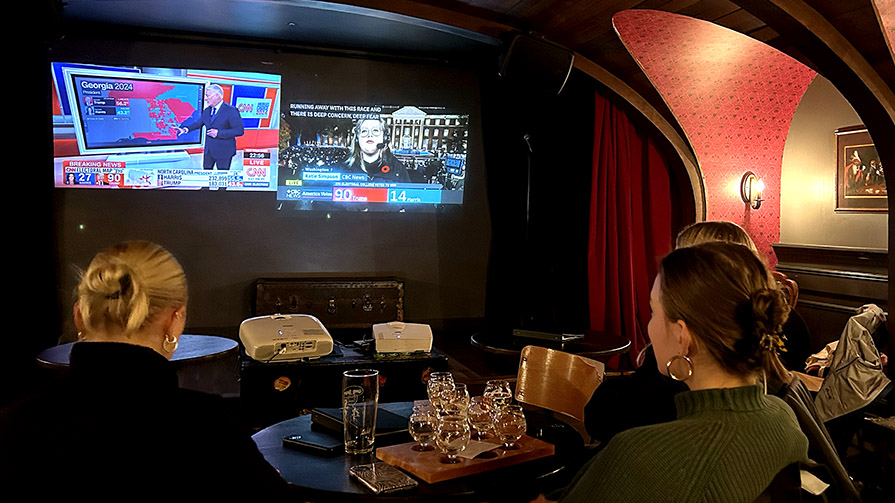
<point>452,437</point>
<point>439,383</point>
<point>480,417</point>
<point>510,425</point>
<point>498,391</point>
<point>456,400</point>
<point>422,427</point>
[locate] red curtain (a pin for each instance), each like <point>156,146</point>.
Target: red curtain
<point>630,226</point>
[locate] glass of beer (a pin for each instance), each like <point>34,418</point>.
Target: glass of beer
<point>499,392</point>
<point>452,437</point>
<point>480,417</point>
<point>422,427</point>
<point>510,425</point>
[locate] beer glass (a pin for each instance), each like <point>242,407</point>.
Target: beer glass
<point>510,425</point>
<point>360,398</point>
<point>480,418</point>
<point>498,390</point>
<point>452,437</point>
<point>422,426</point>
<point>439,384</point>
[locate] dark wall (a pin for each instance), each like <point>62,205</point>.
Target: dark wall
<point>226,240</point>
<point>538,270</point>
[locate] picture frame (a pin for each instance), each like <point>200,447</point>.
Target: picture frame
<point>860,179</point>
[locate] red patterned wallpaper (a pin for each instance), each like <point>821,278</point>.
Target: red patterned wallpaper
<point>885,12</point>
<point>733,96</point>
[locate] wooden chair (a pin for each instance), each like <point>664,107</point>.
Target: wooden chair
<point>790,287</point>
<point>558,381</point>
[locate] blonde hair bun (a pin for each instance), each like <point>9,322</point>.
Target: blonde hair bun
<point>126,285</point>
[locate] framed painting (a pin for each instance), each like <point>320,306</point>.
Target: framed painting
<point>860,179</point>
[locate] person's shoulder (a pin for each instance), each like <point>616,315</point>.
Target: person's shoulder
<point>776,406</point>
<point>784,419</point>
<point>677,435</point>
<point>645,450</point>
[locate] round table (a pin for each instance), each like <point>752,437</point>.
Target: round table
<point>595,344</point>
<point>203,362</point>
<point>325,478</point>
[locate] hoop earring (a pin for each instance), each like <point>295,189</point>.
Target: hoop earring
<point>170,343</point>
<point>671,373</point>
<point>81,336</point>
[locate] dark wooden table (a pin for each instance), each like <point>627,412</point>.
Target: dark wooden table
<point>190,348</point>
<point>203,362</point>
<point>594,344</point>
<point>275,391</point>
<point>322,478</point>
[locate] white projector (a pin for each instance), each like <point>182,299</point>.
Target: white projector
<point>400,337</point>
<point>285,337</point>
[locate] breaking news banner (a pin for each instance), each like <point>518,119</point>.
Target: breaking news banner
<point>132,127</point>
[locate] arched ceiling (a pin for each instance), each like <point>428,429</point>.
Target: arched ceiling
<point>842,40</point>
<point>583,26</point>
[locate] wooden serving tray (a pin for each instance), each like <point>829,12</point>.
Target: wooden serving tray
<point>428,467</point>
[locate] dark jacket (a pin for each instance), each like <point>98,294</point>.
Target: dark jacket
<point>227,121</point>
<point>387,169</point>
<point>119,427</point>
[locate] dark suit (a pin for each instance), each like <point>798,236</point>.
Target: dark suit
<point>228,122</point>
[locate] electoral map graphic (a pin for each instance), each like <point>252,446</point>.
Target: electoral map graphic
<point>126,112</point>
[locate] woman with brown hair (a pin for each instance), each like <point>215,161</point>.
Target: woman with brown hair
<point>796,338</point>
<point>716,319</point>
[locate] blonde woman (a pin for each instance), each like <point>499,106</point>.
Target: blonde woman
<point>118,426</point>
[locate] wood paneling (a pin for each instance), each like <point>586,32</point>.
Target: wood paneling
<point>833,282</point>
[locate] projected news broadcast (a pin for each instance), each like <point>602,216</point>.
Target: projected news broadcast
<point>373,157</point>
<point>164,128</point>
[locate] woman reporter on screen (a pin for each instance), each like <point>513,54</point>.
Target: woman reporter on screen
<point>716,318</point>
<point>118,425</point>
<point>371,154</point>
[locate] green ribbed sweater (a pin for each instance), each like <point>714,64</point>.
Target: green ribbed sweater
<point>726,446</point>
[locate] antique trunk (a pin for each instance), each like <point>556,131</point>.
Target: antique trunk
<point>337,303</point>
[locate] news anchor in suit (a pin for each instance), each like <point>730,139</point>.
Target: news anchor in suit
<point>222,125</point>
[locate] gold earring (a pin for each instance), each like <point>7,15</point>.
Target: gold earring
<point>170,343</point>
<point>689,367</point>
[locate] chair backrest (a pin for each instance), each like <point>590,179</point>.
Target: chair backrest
<point>557,381</point>
<point>820,445</point>
<point>802,481</point>
<point>790,287</point>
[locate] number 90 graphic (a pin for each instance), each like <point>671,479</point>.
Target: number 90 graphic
<point>342,195</point>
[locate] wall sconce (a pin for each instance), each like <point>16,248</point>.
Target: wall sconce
<point>751,188</point>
